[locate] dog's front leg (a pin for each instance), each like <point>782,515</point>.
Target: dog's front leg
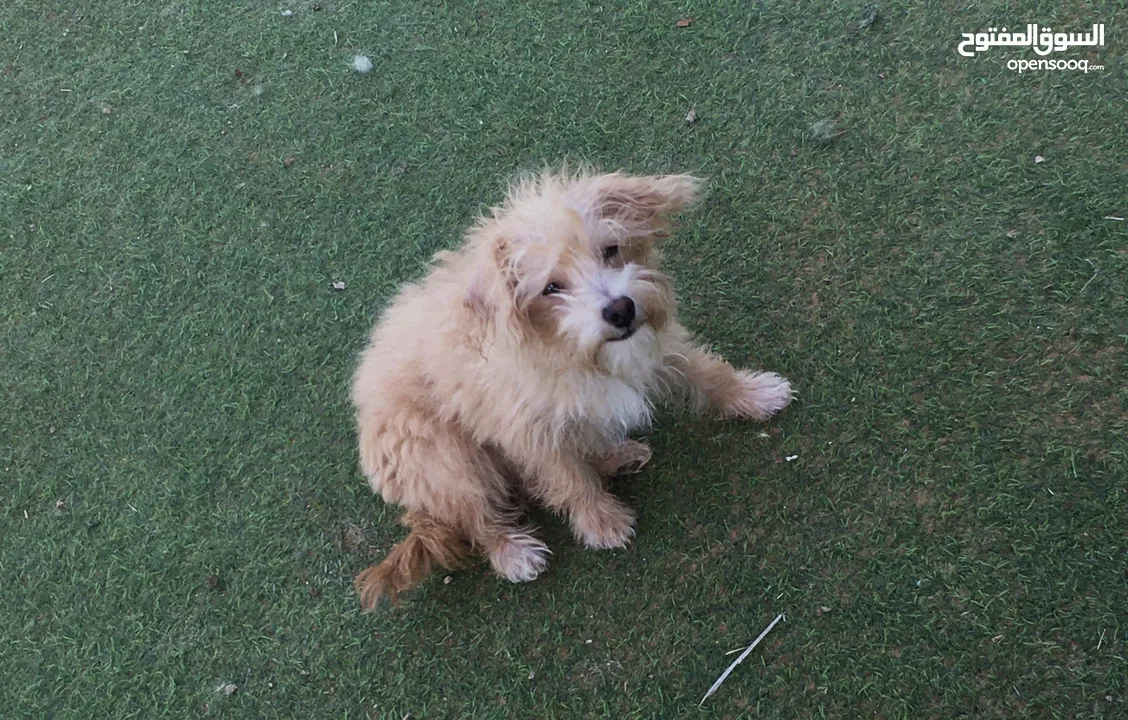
<point>714,384</point>
<point>568,484</point>
<point>626,458</point>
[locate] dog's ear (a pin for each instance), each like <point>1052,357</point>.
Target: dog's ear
<point>484,288</point>
<point>477,296</point>
<point>491,289</point>
<point>643,204</point>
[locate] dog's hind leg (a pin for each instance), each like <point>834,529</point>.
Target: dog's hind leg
<point>514,554</point>
<point>455,492</point>
<point>489,519</point>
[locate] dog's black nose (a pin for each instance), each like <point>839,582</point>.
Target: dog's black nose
<point>620,313</point>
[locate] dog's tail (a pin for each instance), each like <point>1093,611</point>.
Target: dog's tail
<point>428,543</point>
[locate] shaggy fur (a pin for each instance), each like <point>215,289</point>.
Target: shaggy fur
<point>519,365</point>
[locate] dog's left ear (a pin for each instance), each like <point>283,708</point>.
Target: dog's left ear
<point>643,204</point>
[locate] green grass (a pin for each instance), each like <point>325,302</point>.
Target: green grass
<point>179,499</point>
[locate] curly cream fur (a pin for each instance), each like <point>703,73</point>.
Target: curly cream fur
<point>477,384</point>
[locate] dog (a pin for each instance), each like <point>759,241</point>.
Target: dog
<point>521,363</point>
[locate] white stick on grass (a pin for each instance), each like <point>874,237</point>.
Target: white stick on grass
<point>747,651</point>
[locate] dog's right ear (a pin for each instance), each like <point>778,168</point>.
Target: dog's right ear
<point>490,290</point>
<point>477,296</point>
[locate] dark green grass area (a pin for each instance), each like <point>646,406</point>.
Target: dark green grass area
<point>182,182</point>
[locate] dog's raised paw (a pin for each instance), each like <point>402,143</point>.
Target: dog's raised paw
<point>520,557</point>
<point>607,525</point>
<point>761,395</point>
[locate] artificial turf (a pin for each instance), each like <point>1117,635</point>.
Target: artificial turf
<point>182,182</point>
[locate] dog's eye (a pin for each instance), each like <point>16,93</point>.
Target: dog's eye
<point>610,252</point>
<point>551,289</point>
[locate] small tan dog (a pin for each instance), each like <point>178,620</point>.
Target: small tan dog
<point>519,365</point>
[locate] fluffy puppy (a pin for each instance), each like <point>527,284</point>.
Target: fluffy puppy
<point>521,363</point>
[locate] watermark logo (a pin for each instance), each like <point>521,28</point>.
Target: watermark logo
<point>1043,41</point>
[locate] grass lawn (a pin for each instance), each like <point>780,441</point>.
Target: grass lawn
<point>180,505</point>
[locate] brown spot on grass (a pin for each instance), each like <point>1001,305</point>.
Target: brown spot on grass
<point>352,540</point>
<point>921,498</point>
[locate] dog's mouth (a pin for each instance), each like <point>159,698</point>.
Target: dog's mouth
<point>625,336</point>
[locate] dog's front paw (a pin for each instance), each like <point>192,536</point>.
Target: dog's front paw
<point>605,525</point>
<point>626,459</point>
<point>761,395</point>
<point>519,557</point>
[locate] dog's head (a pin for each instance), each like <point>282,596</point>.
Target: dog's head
<point>569,261</point>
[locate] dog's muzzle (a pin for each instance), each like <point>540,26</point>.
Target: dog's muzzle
<point>620,313</point>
